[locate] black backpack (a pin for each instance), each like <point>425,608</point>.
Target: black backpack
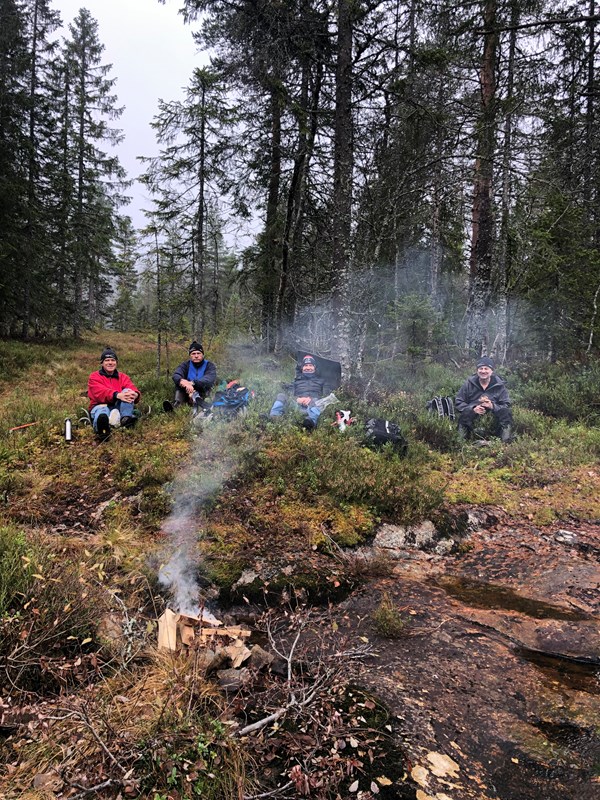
<point>442,406</point>
<point>382,431</point>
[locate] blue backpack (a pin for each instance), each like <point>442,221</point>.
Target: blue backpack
<point>232,400</point>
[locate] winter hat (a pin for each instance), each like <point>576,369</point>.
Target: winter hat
<point>108,352</point>
<point>485,361</point>
<point>308,360</point>
<point>196,346</point>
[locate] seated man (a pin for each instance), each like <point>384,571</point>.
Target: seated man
<point>308,388</point>
<point>193,380</point>
<point>482,393</point>
<point>112,396</point>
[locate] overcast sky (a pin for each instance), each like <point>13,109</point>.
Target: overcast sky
<point>152,55</point>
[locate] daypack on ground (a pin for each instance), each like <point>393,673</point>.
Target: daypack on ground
<point>382,431</point>
<point>232,400</point>
<point>442,406</point>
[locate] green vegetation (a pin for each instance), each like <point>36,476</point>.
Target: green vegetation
<point>283,513</point>
<point>388,619</point>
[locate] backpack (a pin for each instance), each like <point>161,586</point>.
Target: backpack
<point>382,431</point>
<point>232,400</point>
<point>443,406</point>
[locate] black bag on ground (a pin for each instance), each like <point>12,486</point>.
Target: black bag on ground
<point>382,431</point>
<point>442,406</point>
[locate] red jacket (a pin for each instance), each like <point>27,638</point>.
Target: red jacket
<point>103,388</point>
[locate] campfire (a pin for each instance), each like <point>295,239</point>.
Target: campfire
<point>178,631</point>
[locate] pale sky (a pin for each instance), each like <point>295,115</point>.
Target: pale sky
<point>152,55</point>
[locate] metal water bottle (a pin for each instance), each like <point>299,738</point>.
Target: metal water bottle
<point>68,430</point>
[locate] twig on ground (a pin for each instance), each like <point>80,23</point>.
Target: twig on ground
<point>92,789</point>
<point>272,793</point>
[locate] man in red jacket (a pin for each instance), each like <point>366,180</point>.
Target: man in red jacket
<point>112,396</point>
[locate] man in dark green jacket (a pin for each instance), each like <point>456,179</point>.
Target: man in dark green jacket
<point>483,393</point>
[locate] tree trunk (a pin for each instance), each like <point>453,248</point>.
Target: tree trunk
<point>480,272</point>
<point>500,344</point>
<point>342,189</point>
<point>270,275</point>
<point>297,192</point>
<point>201,206</point>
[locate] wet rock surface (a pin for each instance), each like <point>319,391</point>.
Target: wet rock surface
<point>499,670</point>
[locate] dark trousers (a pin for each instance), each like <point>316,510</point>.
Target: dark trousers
<point>183,398</point>
<point>468,417</point>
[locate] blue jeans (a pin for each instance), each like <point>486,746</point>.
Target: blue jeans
<point>125,410</point>
<point>311,411</point>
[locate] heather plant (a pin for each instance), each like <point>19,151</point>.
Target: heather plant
<point>17,565</point>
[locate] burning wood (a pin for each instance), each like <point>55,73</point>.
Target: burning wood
<point>177,631</point>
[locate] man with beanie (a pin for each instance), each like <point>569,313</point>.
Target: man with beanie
<point>483,393</point>
<point>308,387</point>
<point>112,396</point>
<point>193,380</point>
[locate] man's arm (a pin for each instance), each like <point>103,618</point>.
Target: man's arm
<point>180,373</point>
<point>461,401</point>
<point>97,391</point>
<point>501,398</point>
<point>127,383</point>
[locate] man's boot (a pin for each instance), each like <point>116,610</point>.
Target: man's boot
<point>505,433</point>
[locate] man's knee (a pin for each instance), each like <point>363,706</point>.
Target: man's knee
<point>181,398</point>
<point>466,418</point>
<point>504,417</point>
<point>279,405</point>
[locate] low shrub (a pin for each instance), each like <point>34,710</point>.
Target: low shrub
<point>17,566</point>
<point>388,620</point>
<point>562,391</point>
<point>341,467</point>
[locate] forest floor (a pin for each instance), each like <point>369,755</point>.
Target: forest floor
<point>487,664</point>
<point>499,668</point>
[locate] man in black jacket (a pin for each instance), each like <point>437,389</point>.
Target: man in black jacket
<point>193,379</point>
<point>483,393</point>
<point>308,388</point>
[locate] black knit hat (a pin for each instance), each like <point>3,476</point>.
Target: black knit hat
<point>108,352</point>
<point>485,361</point>
<point>196,346</point>
<point>308,360</point>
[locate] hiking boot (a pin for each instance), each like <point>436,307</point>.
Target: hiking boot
<point>114,418</point>
<point>103,426</point>
<point>506,434</point>
<point>168,406</point>
<point>128,422</point>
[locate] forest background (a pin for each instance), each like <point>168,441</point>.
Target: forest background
<point>423,181</point>
<point>422,177</point>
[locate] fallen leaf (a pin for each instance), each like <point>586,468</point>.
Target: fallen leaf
<point>374,787</point>
<point>353,787</point>
<point>419,775</point>
<point>384,781</point>
<point>442,765</point>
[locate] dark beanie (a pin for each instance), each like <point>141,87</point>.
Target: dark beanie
<point>108,352</point>
<point>309,360</point>
<point>485,361</point>
<point>196,346</point>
